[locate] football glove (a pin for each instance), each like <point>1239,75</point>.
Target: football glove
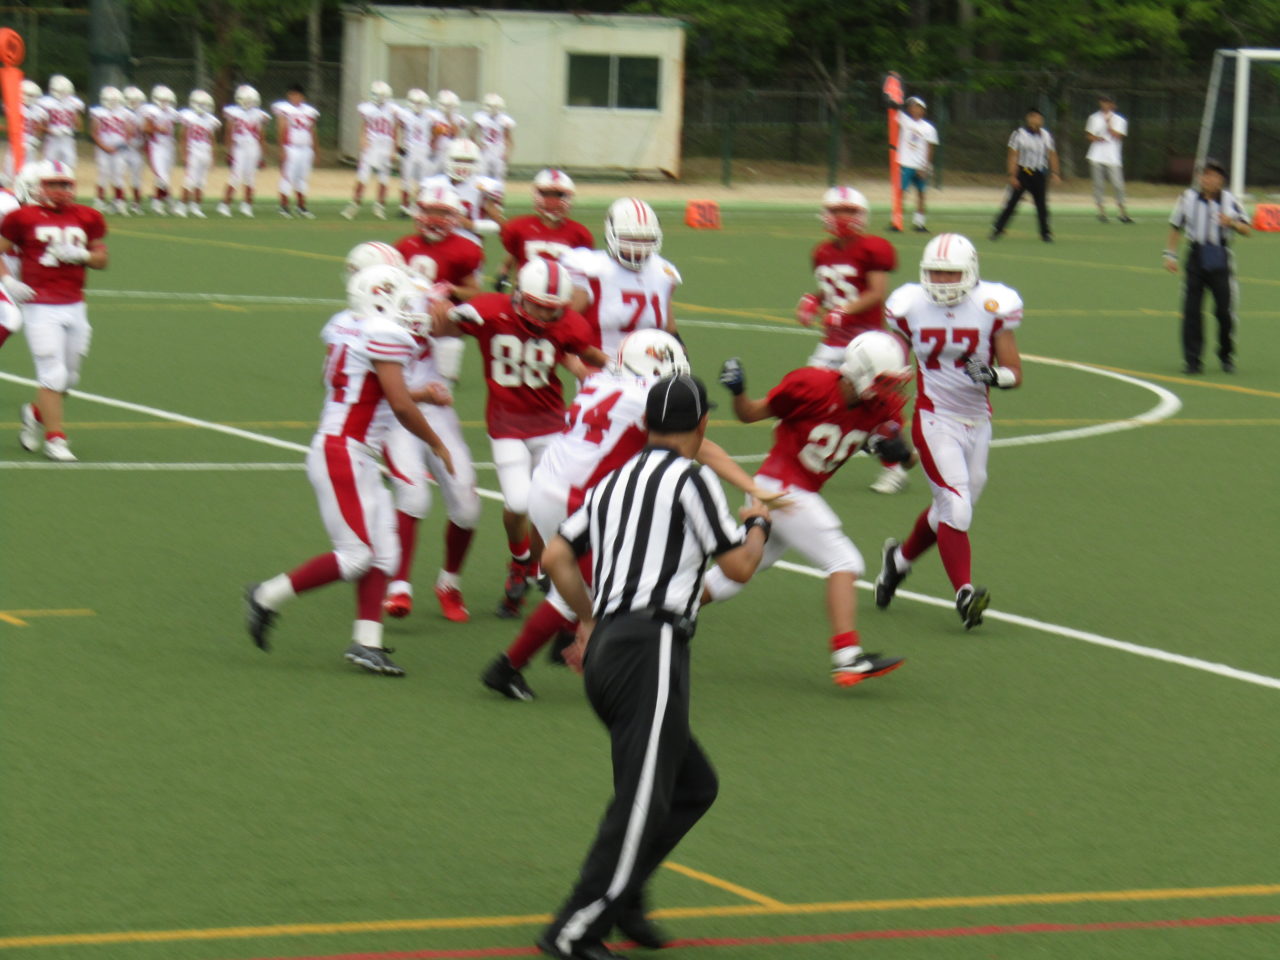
<point>733,377</point>
<point>68,253</point>
<point>834,318</point>
<point>808,308</point>
<point>979,372</point>
<point>502,283</point>
<point>887,444</point>
<point>18,290</point>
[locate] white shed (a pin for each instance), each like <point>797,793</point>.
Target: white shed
<point>587,91</point>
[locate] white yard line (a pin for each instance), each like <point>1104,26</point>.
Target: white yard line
<point>129,466</point>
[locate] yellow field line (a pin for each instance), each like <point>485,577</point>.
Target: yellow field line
<point>699,308</point>
<point>739,910</point>
<point>18,618</point>
<point>714,881</point>
<point>228,244</point>
<point>1189,381</point>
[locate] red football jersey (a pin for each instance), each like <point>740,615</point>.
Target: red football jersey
<point>520,357</point>
<point>530,236</point>
<point>841,271</point>
<point>451,260</point>
<point>31,230</point>
<point>816,431</point>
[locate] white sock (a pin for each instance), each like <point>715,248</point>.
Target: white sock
<point>845,656</point>
<point>368,633</point>
<point>967,586</point>
<point>900,563</point>
<point>918,219</point>
<point>446,580</point>
<point>400,586</point>
<point>276,592</point>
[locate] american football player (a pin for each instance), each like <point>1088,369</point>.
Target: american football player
<point>159,124</point>
<point>491,128</point>
<point>134,152</point>
<point>110,126</point>
<point>451,124</point>
<point>64,118</point>
<point>296,134</point>
<point>379,120</point>
<point>548,231</point>
<point>962,331</point>
<point>416,122</point>
<point>246,124</point>
<point>199,131</point>
<point>481,197</point>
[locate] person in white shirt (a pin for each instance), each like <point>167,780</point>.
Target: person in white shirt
<point>199,131</point>
<point>1106,131</point>
<point>416,122</point>
<point>63,110</point>
<point>296,133</point>
<point>450,125</point>
<point>917,138</point>
<point>491,129</point>
<point>109,127</point>
<point>246,133</point>
<point>134,158</point>
<point>159,121</point>
<point>379,120</point>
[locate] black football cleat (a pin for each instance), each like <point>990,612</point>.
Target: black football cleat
<point>373,659</point>
<point>257,618</point>
<point>636,926</point>
<point>581,951</point>
<point>970,602</point>
<point>506,679</point>
<point>890,577</point>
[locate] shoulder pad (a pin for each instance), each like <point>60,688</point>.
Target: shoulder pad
<point>903,299</point>
<point>998,299</point>
<point>669,270</point>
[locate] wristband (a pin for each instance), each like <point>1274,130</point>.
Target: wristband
<point>762,522</point>
<point>1005,378</point>
<point>1170,255</point>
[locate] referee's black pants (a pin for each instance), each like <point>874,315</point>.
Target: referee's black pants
<point>1033,182</point>
<point>637,679</point>
<point>1220,282</point>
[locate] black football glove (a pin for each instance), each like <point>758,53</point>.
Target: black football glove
<point>980,372</point>
<point>887,444</point>
<point>502,283</point>
<point>733,377</point>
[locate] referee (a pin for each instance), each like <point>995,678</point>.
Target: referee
<point>1032,159</point>
<point>1206,216</point>
<point>650,527</point>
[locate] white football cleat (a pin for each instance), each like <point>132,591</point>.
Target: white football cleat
<point>179,210</point>
<point>57,449</point>
<point>197,212</point>
<point>285,212</point>
<point>158,207</point>
<point>246,210</point>
<point>379,211</point>
<point>100,205</point>
<point>892,479</point>
<point>223,209</point>
<point>29,435</point>
<point>121,208</point>
<point>306,214</point>
<point>350,210</point>
<point>135,209</point>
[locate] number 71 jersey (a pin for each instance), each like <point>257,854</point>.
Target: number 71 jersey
<point>623,300</point>
<point>33,228</point>
<point>945,338</point>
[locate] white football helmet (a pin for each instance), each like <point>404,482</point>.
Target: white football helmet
<point>494,103</point>
<point>875,363</point>
<point>462,160</point>
<point>385,291</point>
<point>632,232</point>
<point>418,99</point>
<point>110,97</point>
<point>372,253</point>
<point>543,283</point>
<point>55,184</point>
<point>652,354</point>
<point>439,210</point>
<point>379,92</point>
<point>553,192</point>
<point>247,97</point>
<point>447,100</point>
<point>61,87</point>
<point>845,213</point>
<point>952,253</point>
<point>163,96</point>
<point>200,101</point>
<point>31,92</point>
<point>26,185</point>
<point>134,97</point>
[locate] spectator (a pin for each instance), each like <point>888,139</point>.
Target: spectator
<point>1106,131</point>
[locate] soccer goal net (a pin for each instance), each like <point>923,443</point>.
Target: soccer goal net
<point>1240,127</point>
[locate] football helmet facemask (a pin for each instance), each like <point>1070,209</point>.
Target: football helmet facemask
<point>110,97</point>
<point>30,92</point>
<point>134,97</point>
<point>949,253</point>
<point>845,213</point>
<point>439,211</point>
<point>553,192</point>
<point>247,97</point>
<point>200,101</point>
<point>494,103</point>
<point>632,232</point>
<point>418,99</point>
<point>55,184</point>
<point>163,96</point>
<point>379,92</point>
<point>462,160</point>
<point>447,100</point>
<point>61,87</point>
<point>385,291</point>
<point>652,354</point>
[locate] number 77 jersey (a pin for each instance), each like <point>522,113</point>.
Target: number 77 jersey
<point>945,338</point>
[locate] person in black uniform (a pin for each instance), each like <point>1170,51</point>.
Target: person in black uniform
<point>650,528</point>
<point>1032,162</point>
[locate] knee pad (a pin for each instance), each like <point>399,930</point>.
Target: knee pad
<point>387,559</point>
<point>412,497</point>
<point>52,373</point>
<point>957,512</point>
<point>719,586</point>
<point>845,559</point>
<point>467,514</point>
<point>448,352</point>
<point>354,560</point>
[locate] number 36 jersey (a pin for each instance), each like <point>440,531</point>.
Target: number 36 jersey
<point>623,300</point>
<point>33,228</point>
<point>945,338</point>
<point>520,357</point>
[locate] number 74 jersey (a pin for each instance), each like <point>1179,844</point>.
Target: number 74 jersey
<point>945,338</point>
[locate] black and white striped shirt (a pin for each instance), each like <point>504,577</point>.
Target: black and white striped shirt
<point>1197,216</point>
<point>651,526</point>
<point>1033,148</point>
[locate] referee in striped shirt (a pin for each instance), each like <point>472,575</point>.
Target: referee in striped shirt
<point>1207,216</point>
<point>1032,161</point>
<point>650,528</point>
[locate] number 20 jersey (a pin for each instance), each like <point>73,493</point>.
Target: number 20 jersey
<point>32,228</point>
<point>944,338</point>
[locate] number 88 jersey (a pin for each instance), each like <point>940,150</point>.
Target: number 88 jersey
<point>945,338</point>
<point>32,229</point>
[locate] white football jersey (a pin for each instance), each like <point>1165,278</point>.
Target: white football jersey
<point>32,118</point>
<point>914,137</point>
<point>300,122</point>
<point>62,113</point>
<point>114,126</point>
<point>354,404</point>
<point>604,424</point>
<point>492,136</point>
<point>163,121</point>
<point>202,128</point>
<point>945,338</point>
<point>136,137</point>
<point>473,193</point>
<point>379,123</point>
<point>416,129</point>
<point>247,126</point>
<point>623,300</point>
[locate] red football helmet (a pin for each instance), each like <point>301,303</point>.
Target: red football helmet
<point>553,192</point>
<point>56,184</point>
<point>845,213</point>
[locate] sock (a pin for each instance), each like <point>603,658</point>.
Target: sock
<point>953,545</point>
<point>274,593</point>
<point>316,572</point>
<point>404,198</point>
<point>457,540</point>
<point>842,641</point>
<point>302,202</point>
<point>55,435</point>
<point>407,529</point>
<point>371,590</point>
<point>520,552</point>
<point>4,335</point>
<point>119,193</point>
<point>102,194</point>
<point>284,201</point>
<point>248,195</point>
<point>368,633</point>
<point>543,624</point>
<point>918,219</point>
<point>920,539</point>
<point>447,581</point>
<point>228,195</point>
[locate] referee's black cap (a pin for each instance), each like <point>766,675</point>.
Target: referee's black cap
<point>1215,165</point>
<point>676,404</point>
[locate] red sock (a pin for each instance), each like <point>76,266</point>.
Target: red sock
<point>119,193</point>
<point>404,198</point>
<point>921,538</point>
<point>55,435</point>
<point>4,335</point>
<point>456,543</point>
<point>520,552</point>
<point>228,195</point>
<point>36,410</point>
<point>102,194</point>
<point>842,640</point>
<point>382,193</point>
<point>284,200</point>
<point>953,544</point>
<point>137,195</point>
<point>543,624</point>
<point>407,528</point>
<point>371,590</point>
<point>316,572</point>
<point>248,195</point>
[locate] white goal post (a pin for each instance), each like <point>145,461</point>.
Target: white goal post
<point>1243,58</point>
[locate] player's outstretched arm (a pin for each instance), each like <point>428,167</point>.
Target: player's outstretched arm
<point>734,379</point>
<point>391,376</point>
<point>712,455</point>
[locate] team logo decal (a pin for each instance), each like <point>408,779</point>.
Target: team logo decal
<point>991,306</point>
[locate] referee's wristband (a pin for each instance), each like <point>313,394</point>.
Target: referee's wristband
<point>1171,255</point>
<point>762,522</point>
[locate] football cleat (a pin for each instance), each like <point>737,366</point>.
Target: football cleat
<point>246,210</point>
<point>197,212</point>
<point>514,590</point>
<point>846,670</point>
<point>373,659</point>
<point>29,435</point>
<point>135,210</point>
<point>634,924</point>
<point>506,679</point>
<point>285,212</point>
<point>452,605</point>
<point>56,449</point>
<point>158,207</point>
<point>379,211</point>
<point>257,618</point>
<point>890,576</point>
<point>892,479</point>
<point>179,210</point>
<point>224,209</point>
<point>970,602</point>
<point>398,605</point>
<point>350,210</point>
<point>306,214</point>
<point>120,208</point>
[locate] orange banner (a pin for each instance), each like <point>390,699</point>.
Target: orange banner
<point>12,52</point>
<point>893,94</point>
